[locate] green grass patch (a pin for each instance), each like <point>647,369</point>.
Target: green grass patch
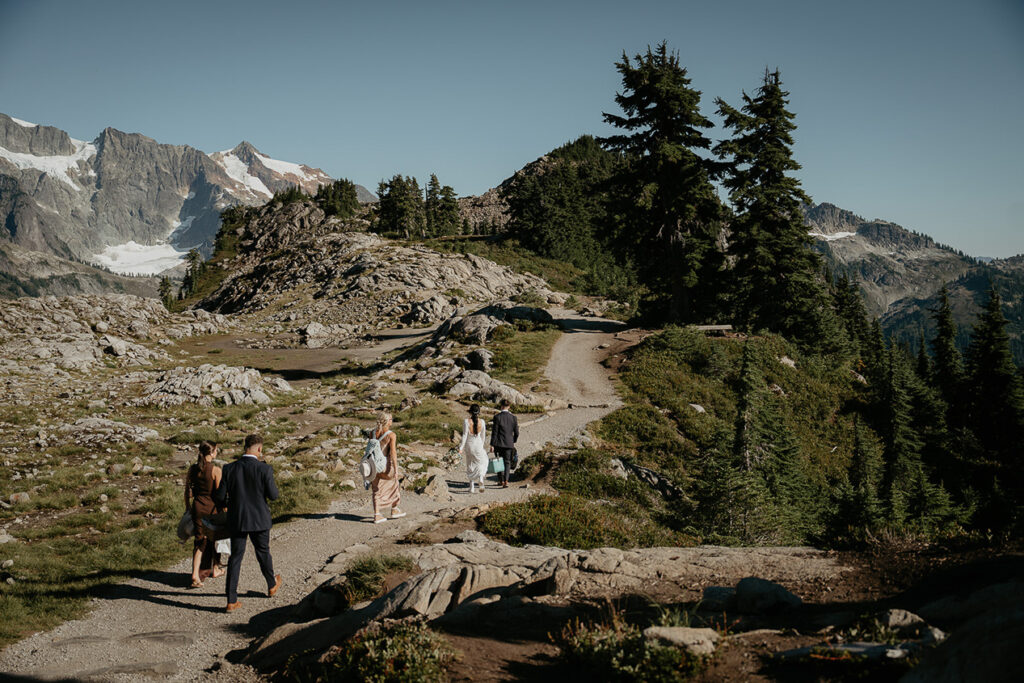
<point>432,421</point>
<point>521,355</point>
<point>569,521</point>
<point>367,575</point>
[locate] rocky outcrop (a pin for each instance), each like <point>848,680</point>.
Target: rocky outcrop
<point>298,266</point>
<point>461,578</point>
<point>96,430</point>
<point>77,332</point>
<point>208,385</point>
<point>487,211</point>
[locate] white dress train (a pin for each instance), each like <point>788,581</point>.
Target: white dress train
<point>476,454</point>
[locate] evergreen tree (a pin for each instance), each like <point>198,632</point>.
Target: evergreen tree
<point>848,303</point>
<point>193,270</point>
<point>924,363</point>
<point>948,370</point>
<point>776,277</point>
<point>338,199</point>
<point>670,215</point>
<point>997,398</point>
<point>432,206</point>
<point>902,443</point>
<point>400,209</point>
<point>166,291</point>
<point>448,216</point>
<point>875,365</point>
<point>862,507</point>
<point>750,389</point>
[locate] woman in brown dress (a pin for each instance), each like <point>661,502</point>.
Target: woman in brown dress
<point>386,492</point>
<point>202,480</point>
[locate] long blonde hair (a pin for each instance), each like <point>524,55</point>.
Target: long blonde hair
<point>383,418</point>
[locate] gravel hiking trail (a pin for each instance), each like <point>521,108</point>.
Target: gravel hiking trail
<point>153,627</point>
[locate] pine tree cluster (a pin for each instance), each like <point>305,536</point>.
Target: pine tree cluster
<point>407,211</point>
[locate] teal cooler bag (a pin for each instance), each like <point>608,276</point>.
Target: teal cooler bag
<point>495,466</point>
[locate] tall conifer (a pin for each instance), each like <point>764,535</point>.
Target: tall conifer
<point>671,214</point>
<point>777,277</point>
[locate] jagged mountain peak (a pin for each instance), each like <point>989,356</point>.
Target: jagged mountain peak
<point>125,200</point>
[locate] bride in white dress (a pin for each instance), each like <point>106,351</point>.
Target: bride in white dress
<point>474,432</point>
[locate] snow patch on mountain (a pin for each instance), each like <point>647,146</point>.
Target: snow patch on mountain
<point>831,238</point>
<point>23,124</point>
<point>239,172</point>
<point>132,258</point>
<point>286,168</point>
<point>57,167</point>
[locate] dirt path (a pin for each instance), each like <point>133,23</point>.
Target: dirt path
<point>152,626</point>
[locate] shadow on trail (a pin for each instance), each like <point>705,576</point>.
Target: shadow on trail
<point>571,325</point>
<point>299,374</point>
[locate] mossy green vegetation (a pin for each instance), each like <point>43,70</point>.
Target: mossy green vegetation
<point>405,651</point>
<point>571,521</point>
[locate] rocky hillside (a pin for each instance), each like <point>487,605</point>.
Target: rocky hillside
<point>907,318</point>
<point>890,262</point>
<point>124,200</point>
<point>31,273</point>
<point>296,266</point>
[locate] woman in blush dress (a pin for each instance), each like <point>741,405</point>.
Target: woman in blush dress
<point>386,491</point>
<point>474,431</point>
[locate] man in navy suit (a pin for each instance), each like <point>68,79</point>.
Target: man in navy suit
<point>245,487</point>
<point>504,434</point>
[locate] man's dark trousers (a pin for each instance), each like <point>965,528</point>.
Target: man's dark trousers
<point>260,546</point>
<point>506,454</point>
<point>504,435</point>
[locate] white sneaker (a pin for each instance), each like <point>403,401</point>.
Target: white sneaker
<point>379,520</point>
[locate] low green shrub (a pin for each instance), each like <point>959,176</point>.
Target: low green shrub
<point>618,651</point>
<point>572,522</point>
<point>388,652</point>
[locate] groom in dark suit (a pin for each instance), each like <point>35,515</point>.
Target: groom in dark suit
<point>245,487</point>
<point>504,434</point>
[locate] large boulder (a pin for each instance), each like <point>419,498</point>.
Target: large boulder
<point>983,650</point>
<point>760,596</point>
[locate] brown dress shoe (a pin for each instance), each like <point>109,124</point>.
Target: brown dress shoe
<point>232,606</point>
<point>277,584</point>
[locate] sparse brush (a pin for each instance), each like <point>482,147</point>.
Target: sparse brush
<point>618,651</point>
<point>366,575</point>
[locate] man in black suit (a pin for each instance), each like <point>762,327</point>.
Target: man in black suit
<point>504,434</point>
<point>245,487</point>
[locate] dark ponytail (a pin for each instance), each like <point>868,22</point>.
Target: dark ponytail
<point>205,449</point>
<point>474,419</point>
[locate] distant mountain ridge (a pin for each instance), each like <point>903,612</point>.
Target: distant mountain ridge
<point>901,272</point>
<point>126,201</point>
<point>888,261</point>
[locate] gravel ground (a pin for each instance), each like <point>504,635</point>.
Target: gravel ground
<point>154,627</point>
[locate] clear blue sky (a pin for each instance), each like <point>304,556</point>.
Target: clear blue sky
<point>907,110</point>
